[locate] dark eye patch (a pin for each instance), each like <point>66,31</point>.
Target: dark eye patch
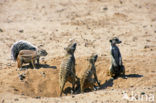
<point>116,40</point>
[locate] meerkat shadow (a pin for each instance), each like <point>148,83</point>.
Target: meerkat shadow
<point>107,83</point>
<point>37,66</point>
<point>26,67</point>
<point>133,76</point>
<point>45,66</point>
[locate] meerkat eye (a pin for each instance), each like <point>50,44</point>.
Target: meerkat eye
<point>117,40</point>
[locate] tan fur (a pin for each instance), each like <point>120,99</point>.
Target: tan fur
<point>86,80</point>
<point>29,56</point>
<point>67,70</point>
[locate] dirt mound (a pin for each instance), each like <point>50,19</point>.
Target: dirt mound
<point>43,82</point>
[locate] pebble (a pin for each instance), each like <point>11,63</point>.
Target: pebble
<point>16,99</point>
<point>146,46</point>
<point>105,8</point>
<point>21,31</point>
<point>37,97</point>
<point>1,30</point>
<point>3,101</point>
<point>73,96</point>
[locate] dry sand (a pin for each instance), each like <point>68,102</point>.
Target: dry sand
<point>91,23</point>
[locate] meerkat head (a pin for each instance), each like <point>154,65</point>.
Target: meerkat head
<point>71,48</point>
<point>42,52</point>
<point>115,40</point>
<point>93,58</point>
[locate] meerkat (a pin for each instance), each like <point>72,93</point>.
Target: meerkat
<point>117,68</point>
<point>29,56</point>
<point>67,69</point>
<point>86,80</point>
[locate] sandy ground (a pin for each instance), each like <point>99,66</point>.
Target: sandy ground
<point>51,24</point>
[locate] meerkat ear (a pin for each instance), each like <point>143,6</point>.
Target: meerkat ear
<point>110,40</point>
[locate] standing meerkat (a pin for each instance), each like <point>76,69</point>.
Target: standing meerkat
<point>117,68</point>
<point>86,80</point>
<point>67,70</point>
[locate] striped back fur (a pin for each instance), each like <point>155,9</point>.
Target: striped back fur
<point>67,70</point>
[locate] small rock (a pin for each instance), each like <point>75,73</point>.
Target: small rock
<point>1,30</point>
<point>73,96</point>
<point>135,38</point>
<point>104,54</point>
<point>86,44</point>
<point>37,97</point>
<point>3,101</point>
<point>95,101</point>
<point>105,8</point>
<point>144,26</point>
<point>21,31</point>
<point>50,38</point>
<point>155,31</point>
<point>16,99</point>
<point>121,2</point>
<point>146,46</point>
<point>15,89</point>
<point>154,85</point>
<point>41,45</point>
<point>148,40</point>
